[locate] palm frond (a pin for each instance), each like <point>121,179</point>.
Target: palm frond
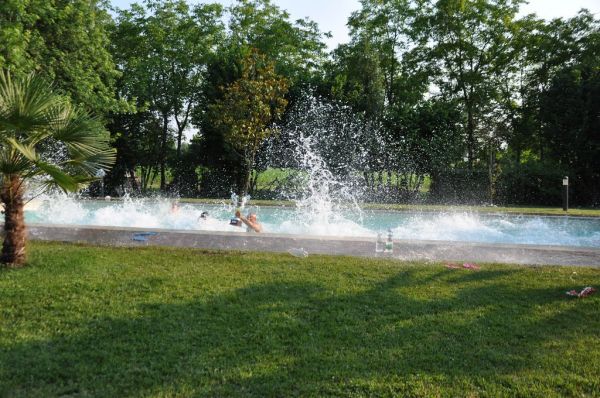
<point>28,151</point>
<point>87,141</point>
<point>58,177</point>
<point>27,107</point>
<point>92,163</point>
<point>14,163</point>
<point>33,120</point>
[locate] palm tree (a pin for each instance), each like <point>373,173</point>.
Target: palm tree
<point>42,136</point>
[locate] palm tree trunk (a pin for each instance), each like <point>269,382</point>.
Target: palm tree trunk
<point>13,248</point>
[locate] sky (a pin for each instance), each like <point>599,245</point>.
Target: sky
<point>332,15</point>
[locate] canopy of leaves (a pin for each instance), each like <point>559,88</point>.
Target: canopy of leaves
<point>42,134</point>
<point>66,41</point>
<point>251,104</point>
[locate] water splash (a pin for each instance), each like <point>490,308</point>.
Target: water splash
<point>328,144</point>
<point>465,227</point>
<point>330,147</point>
<point>237,202</point>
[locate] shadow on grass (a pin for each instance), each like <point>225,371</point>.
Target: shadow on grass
<point>399,337</point>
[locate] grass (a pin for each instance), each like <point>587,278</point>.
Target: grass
<point>266,178</point>
<point>107,322</point>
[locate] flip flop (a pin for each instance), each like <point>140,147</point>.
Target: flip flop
<point>451,266</point>
<point>586,292</point>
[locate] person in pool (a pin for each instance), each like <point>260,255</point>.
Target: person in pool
<point>251,222</point>
<point>203,216</point>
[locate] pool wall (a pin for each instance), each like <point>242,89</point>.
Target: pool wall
<point>363,247</point>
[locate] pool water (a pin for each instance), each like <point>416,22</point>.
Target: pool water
<point>452,226</point>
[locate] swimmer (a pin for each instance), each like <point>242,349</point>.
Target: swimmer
<point>251,222</point>
<point>203,216</point>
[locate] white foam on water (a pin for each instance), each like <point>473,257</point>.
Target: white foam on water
<point>467,227</point>
<point>340,227</point>
<point>62,209</point>
<point>461,226</point>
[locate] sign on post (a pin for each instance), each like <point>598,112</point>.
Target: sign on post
<point>565,194</point>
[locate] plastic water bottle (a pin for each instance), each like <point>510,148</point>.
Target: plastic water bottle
<point>298,252</point>
<point>389,243</point>
<point>379,243</point>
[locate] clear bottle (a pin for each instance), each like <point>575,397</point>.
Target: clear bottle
<point>389,243</point>
<point>379,243</point>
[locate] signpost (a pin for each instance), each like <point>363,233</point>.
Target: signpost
<point>565,194</point>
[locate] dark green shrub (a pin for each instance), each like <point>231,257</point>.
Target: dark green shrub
<point>460,186</point>
<point>531,183</point>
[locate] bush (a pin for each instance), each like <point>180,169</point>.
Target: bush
<point>460,186</point>
<point>531,183</point>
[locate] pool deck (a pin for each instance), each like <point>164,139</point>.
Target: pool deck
<point>407,250</point>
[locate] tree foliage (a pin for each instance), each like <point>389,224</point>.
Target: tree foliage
<point>456,88</point>
<point>65,41</point>
<point>248,109</point>
<point>162,49</point>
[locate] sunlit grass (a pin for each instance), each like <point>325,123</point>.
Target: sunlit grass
<point>86,321</point>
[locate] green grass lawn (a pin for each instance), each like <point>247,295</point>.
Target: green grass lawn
<point>267,177</point>
<point>85,321</point>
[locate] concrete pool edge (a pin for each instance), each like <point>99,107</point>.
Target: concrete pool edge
<point>408,250</point>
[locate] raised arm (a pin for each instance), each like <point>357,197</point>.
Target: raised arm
<point>256,227</point>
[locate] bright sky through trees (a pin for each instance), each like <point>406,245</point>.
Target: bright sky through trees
<point>332,15</point>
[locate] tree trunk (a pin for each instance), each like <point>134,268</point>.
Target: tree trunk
<point>163,153</point>
<point>13,249</point>
<point>244,179</point>
<point>134,183</point>
<point>145,178</point>
<point>491,176</point>
<point>253,182</point>
<point>470,136</point>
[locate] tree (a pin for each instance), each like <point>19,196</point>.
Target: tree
<point>556,119</point>
<point>162,50</point>
<point>65,41</point>
<point>356,78</point>
<point>138,144</point>
<point>42,136</point>
<point>472,49</point>
<point>249,107</point>
<point>295,47</point>
<point>391,28</point>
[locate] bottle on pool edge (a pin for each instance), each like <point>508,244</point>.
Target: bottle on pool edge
<point>389,243</point>
<point>379,243</point>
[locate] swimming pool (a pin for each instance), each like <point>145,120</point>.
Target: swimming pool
<point>451,226</point>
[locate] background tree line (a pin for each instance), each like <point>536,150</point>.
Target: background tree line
<point>485,105</point>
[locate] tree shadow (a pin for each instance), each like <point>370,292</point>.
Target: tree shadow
<point>285,339</point>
